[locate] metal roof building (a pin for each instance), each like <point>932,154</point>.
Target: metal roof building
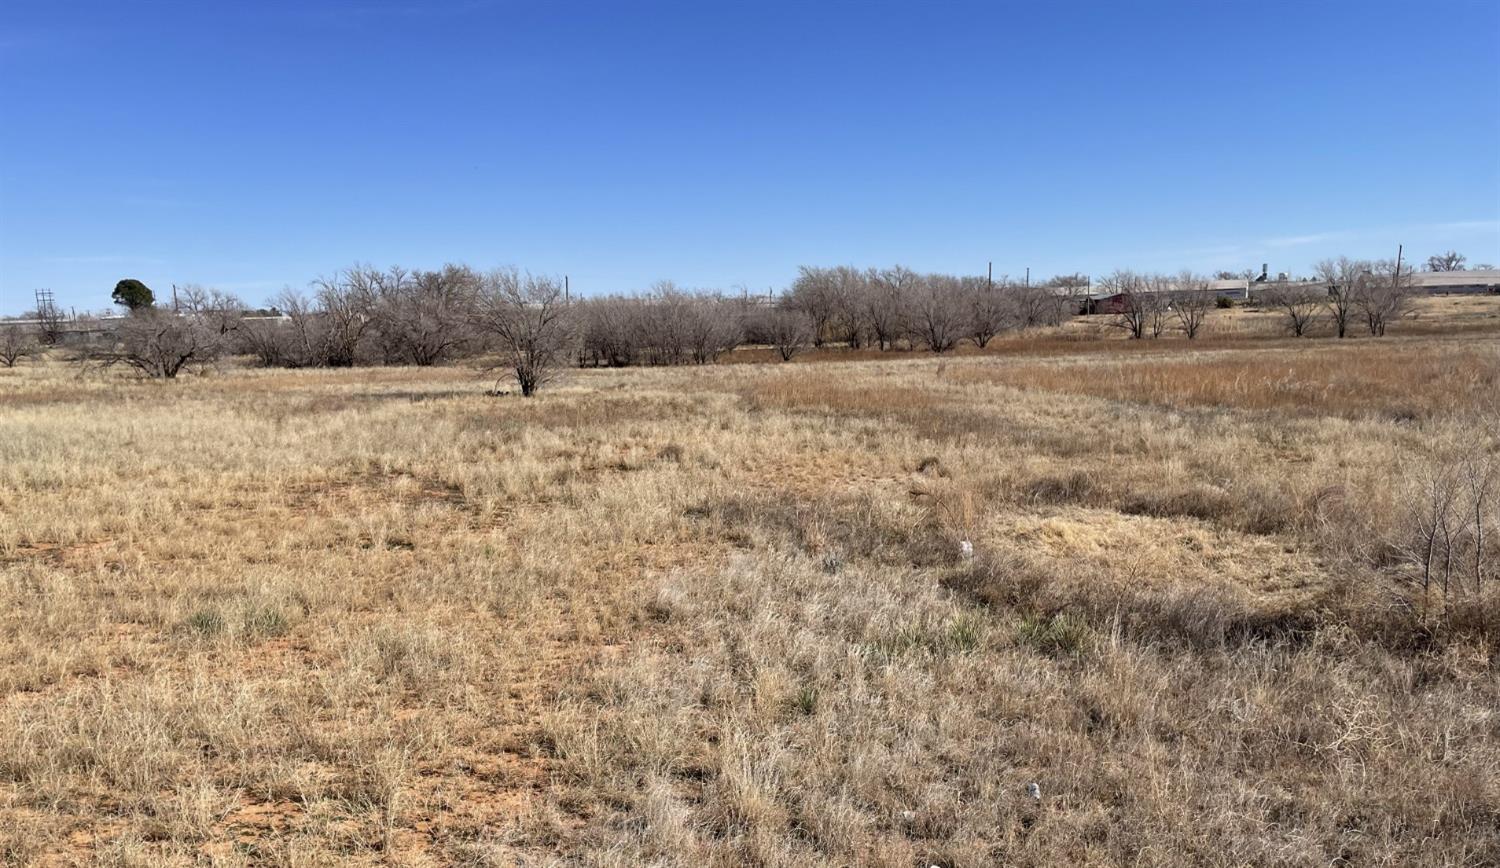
<point>1466,282</point>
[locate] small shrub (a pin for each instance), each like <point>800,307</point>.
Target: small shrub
<point>1223,303</point>
<point>265,622</point>
<point>806,703</point>
<point>205,622</point>
<point>1059,635</point>
<point>965,632</point>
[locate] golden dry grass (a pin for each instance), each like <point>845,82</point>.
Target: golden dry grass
<point>719,616</point>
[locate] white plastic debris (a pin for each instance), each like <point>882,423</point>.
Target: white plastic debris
<point>966,550</point>
<point>1034,790</point>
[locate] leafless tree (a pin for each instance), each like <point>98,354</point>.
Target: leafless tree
<point>1479,475</point>
<point>161,344</point>
<point>1066,292</point>
<point>345,304</point>
<point>1451,524</point>
<point>1301,303</point>
<point>1135,305</point>
<point>610,331</point>
<point>50,322</point>
<point>16,343</point>
<point>887,295</point>
<point>986,309</point>
<point>1158,301</point>
<point>220,312</point>
<point>301,343</point>
<point>1387,295</point>
<point>714,326</point>
<point>530,324</point>
<point>1191,302</point>
<point>421,318</point>
<point>816,293</point>
<point>849,325</point>
<point>1032,306</point>
<point>664,324</point>
<point>269,339</point>
<point>937,312</point>
<point>789,331</point>
<point>1346,281</point>
<point>1449,261</point>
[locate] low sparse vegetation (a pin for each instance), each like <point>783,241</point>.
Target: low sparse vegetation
<point>1221,606</point>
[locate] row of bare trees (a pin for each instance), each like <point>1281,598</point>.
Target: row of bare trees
<point>1346,294</point>
<point>519,322</point>
<point>1150,304</point>
<point>364,315</point>
<point>886,308</point>
<point>664,326</point>
<point>523,322</point>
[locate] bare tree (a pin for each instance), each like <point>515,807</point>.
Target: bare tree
<point>530,323</point>
<point>421,318</point>
<point>1301,304</point>
<point>302,343</point>
<point>816,293</point>
<point>50,321</point>
<point>16,343</point>
<point>1387,295</point>
<point>986,309</point>
<point>937,312</point>
<point>714,327</point>
<point>610,331</point>
<point>220,312</point>
<point>664,324</point>
<point>886,298</point>
<point>1191,302</point>
<point>1064,293</point>
<point>789,331</point>
<point>1157,299</point>
<point>161,344</point>
<point>848,323</point>
<point>268,339</point>
<point>1345,279</point>
<point>1135,306</point>
<point>1031,306</point>
<point>345,305</point>
<point>1450,525</point>
<point>1449,261</point>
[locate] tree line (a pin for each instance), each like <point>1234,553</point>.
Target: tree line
<point>395,316</point>
<point>370,316</point>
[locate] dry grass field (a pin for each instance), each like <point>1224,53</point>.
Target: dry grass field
<point>719,615</point>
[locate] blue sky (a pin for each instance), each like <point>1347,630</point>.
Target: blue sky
<point>252,146</point>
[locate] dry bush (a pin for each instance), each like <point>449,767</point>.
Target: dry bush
<point>16,343</point>
<point>531,325</point>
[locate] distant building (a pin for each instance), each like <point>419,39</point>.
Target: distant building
<point>1237,289</point>
<point>1457,282</point>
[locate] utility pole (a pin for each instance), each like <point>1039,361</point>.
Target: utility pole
<point>989,276</point>
<point>567,290</point>
<point>1396,284</point>
<point>1028,277</point>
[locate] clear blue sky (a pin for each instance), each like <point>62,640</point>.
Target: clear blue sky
<point>251,146</point>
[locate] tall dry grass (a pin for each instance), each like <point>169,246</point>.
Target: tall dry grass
<point>721,615</point>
